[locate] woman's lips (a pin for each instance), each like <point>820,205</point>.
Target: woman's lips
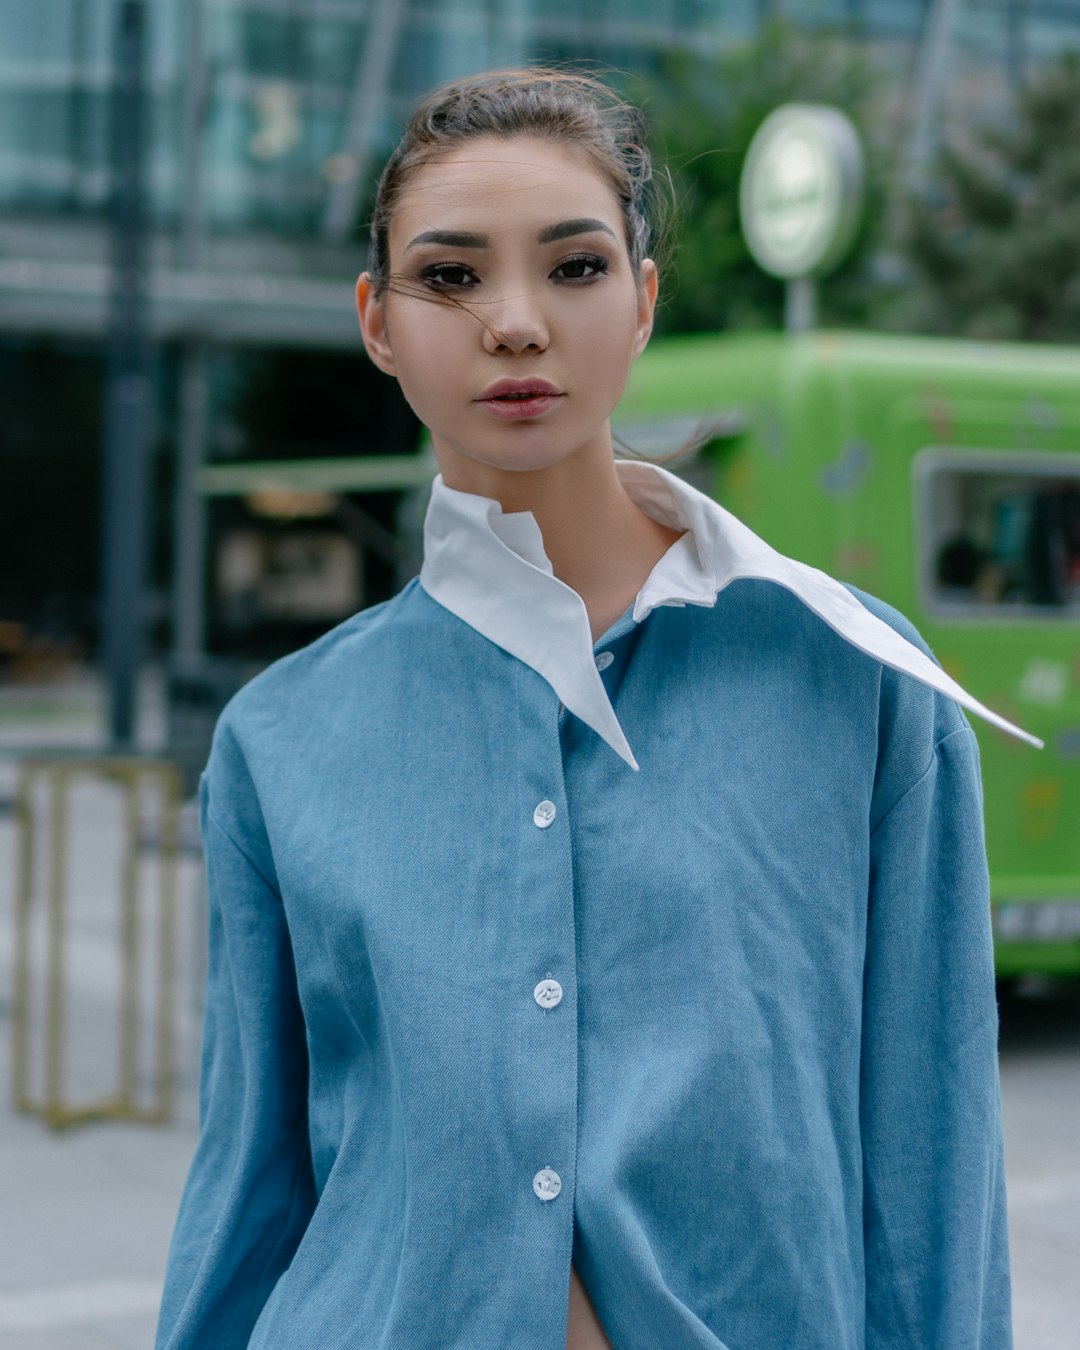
<point>515,408</point>
<point>513,400</point>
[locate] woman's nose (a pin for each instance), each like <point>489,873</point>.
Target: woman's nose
<point>515,324</point>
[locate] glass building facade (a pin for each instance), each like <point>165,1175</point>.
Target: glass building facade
<point>284,103</point>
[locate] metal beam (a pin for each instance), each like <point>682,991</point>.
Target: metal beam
<point>364,473</point>
<point>127,401</point>
<point>39,296</point>
<point>189,514</point>
<point>189,507</point>
<point>931,74</point>
<point>373,71</point>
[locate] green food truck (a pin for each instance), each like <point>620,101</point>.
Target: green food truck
<point>943,476</point>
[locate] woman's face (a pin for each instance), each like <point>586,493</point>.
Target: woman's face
<point>508,263</point>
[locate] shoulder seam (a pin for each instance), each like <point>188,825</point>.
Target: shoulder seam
<point>949,735</point>
<point>213,819</point>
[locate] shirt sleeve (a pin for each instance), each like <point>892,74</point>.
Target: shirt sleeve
<point>250,1191</point>
<point>936,1247</point>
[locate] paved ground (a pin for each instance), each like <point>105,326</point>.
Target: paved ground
<point>86,1216</point>
<point>1040,1079</point>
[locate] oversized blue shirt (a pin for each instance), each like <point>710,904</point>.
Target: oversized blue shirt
<point>482,999</point>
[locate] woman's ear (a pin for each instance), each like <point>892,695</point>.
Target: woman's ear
<point>647,291</point>
<point>372,316</point>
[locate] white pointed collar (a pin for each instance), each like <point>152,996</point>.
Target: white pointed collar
<point>489,568</point>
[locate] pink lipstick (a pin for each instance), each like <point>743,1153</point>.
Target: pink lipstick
<point>515,400</point>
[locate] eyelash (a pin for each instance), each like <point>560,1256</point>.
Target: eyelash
<point>430,275</point>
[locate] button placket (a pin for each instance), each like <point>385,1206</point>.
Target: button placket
<point>552,1045</point>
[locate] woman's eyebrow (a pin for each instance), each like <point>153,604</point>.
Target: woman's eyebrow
<point>449,239</point>
<point>466,239</point>
<point>565,228</point>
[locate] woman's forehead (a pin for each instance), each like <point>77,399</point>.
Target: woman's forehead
<point>522,179</point>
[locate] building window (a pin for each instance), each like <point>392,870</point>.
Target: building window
<point>999,533</point>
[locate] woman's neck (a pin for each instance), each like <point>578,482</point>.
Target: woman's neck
<point>599,542</point>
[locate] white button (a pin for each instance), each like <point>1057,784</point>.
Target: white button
<point>547,1184</point>
<point>544,814</point>
<point>548,993</point>
<point>604,659</point>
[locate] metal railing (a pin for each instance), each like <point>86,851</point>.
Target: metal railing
<point>44,835</point>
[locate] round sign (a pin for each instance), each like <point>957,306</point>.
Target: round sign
<point>801,190</point>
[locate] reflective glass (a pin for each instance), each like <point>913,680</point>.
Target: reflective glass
<point>281,73</point>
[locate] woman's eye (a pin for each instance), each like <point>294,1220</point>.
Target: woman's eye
<point>582,267</point>
<point>448,276</point>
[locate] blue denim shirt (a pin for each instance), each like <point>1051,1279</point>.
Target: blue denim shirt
<point>768,1093</point>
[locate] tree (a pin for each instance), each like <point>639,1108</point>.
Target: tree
<point>703,112</point>
<point>993,239</point>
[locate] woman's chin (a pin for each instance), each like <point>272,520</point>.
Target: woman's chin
<point>524,454</point>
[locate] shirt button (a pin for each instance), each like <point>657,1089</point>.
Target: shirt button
<point>604,659</point>
<point>547,1184</point>
<point>544,814</point>
<point>548,993</point>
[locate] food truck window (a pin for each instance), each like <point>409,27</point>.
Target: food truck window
<point>1000,534</point>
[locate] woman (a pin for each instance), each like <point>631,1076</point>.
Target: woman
<point>581,921</point>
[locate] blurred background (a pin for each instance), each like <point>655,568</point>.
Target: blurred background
<point>200,471</point>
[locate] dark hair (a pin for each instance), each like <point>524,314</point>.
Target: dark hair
<point>558,105</point>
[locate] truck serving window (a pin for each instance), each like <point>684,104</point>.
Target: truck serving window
<point>999,534</point>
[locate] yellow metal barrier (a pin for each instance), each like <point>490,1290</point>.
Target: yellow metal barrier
<point>135,777</point>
